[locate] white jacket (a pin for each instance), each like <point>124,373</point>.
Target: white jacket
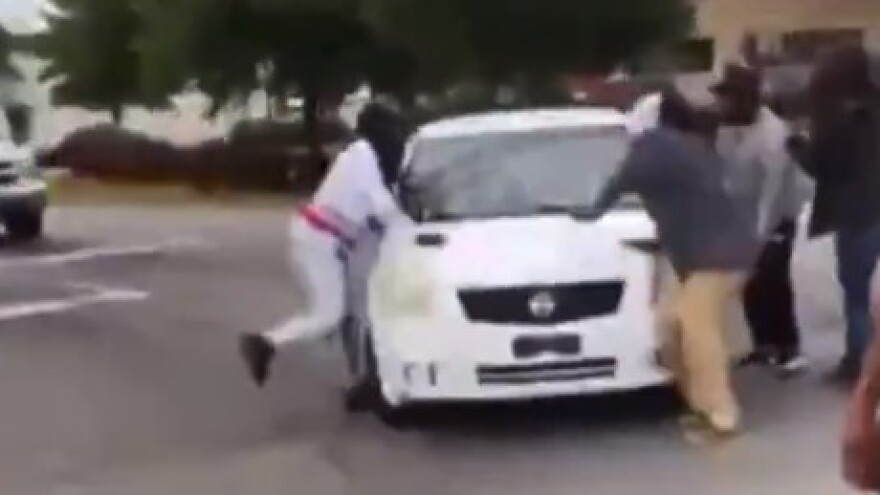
<point>354,191</point>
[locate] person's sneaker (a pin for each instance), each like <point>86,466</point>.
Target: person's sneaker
<point>692,421</point>
<point>791,363</point>
<point>724,424</point>
<point>258,354</point>
<point>755,358</point>
<point>701,431</point>
<point>695,428</point>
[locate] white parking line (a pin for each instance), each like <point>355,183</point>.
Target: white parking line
<point>104,252</point>
<point>87,294</point>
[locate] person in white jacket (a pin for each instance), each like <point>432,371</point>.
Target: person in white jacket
<point>355,197</point>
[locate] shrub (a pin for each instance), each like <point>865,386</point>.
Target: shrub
<point>218,164</point>
<point>287,134</point>
<point>109,153</point>
<point>260,158</point>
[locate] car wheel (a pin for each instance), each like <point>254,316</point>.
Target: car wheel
<point>663,399</point>
<point>24,226</point>
<point>365,392</point>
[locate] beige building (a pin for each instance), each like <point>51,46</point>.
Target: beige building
<point>792,30</point>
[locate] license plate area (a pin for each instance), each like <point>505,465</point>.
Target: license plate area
<point>559,345</point>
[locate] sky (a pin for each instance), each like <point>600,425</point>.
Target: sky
<point>21,16</point>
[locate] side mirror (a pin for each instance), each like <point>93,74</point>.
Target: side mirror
<point>431,240</point>
<point>647,246</point>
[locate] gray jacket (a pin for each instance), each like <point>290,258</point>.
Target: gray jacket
<point>762,174</point>
<point>681,181</point>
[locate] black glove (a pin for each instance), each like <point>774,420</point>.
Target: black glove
<point>376,226</point>
<point>797,146</point>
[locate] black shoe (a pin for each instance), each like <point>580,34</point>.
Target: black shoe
<point>361,397</point>
<point>258,354</point>
<point>755,358</point>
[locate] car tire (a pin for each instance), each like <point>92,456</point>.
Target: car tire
<point>24,226</point>
<point>365,394</point>
<point>663,399</point>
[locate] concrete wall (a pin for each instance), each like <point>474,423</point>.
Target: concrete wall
<point>728,20</point>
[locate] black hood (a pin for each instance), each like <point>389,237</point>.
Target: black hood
<point>383,129</point>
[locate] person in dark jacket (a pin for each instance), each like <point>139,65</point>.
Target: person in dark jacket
<point>842,156</point>
<point>680,177</point>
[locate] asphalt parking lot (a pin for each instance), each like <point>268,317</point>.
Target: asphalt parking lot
<point>118,376</point>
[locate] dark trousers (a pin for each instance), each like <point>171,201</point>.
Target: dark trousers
<point>857,255</point>
<point>769,298</point>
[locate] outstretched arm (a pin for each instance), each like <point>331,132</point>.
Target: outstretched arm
<point>387,211</point>
<point>622,182</point>
<point>384,207</point>
<point>610,195</point>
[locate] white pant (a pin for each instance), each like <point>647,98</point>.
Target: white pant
<point>315,263</point>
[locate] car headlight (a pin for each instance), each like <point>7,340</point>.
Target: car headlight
<point>402,299</point>
<point>403,291</point>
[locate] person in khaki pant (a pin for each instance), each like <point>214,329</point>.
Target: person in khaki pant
<point>692,325</point>
<point>680,178</point>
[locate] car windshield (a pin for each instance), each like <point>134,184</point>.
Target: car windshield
<point>512,173</point>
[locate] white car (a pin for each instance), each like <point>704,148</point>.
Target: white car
<point>23,195</point>
<point>502,290</point>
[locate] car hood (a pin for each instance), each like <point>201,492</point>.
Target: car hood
<point>417,282</point>
<point>516,251</point>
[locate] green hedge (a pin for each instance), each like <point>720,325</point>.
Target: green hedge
<point>257,157</point>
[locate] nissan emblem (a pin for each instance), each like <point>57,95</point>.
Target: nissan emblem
<point>542,305</point>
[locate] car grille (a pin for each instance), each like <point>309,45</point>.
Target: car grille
<point>567,303</point>
<point>547,372</point>
<point>6,180</point>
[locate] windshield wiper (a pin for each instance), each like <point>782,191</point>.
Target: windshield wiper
<point>554,209</point>
<point>444,217</point>
<point>578,212</point>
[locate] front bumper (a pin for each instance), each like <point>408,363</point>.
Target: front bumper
<point>405,382</point>
<point>614,359</point>
<point>23,195</point>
